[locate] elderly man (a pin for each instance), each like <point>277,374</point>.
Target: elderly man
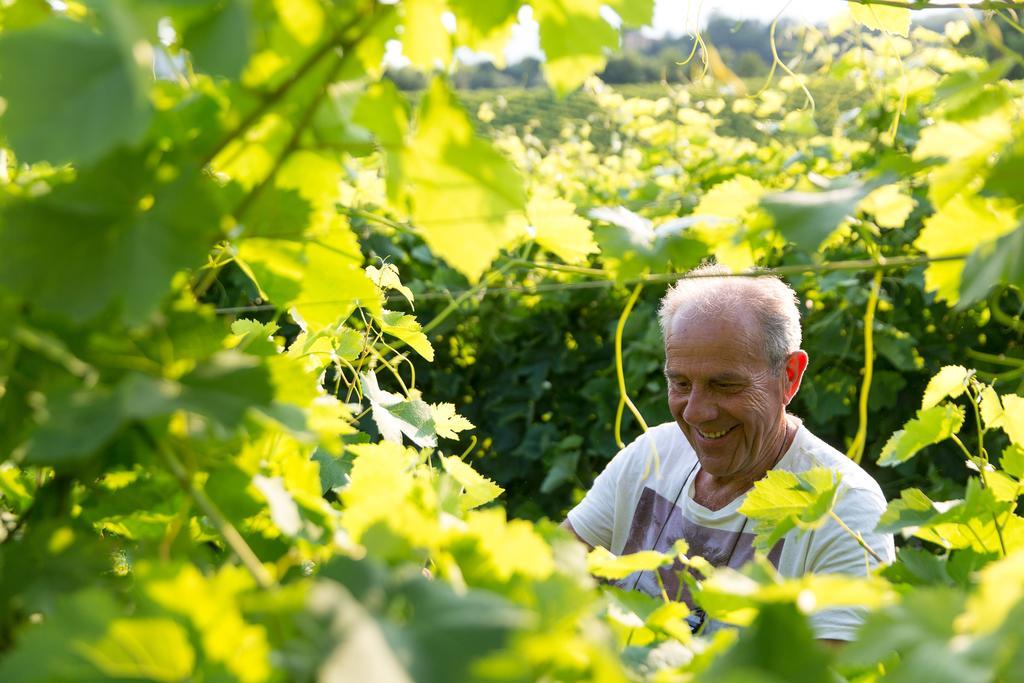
<point>733,363</point>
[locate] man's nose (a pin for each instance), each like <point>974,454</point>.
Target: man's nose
<point>700,408</point>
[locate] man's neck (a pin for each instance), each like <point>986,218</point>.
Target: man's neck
<point>715,493</point>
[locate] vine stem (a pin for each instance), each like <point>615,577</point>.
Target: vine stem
<point>856,452</point>
<point>227,530</point>
<point>624,399</point>
<point>857,537</point>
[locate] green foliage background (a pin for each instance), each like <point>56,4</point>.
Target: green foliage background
<point>277,336</point>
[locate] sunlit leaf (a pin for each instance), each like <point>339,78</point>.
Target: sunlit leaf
<point>447,422</point>
<point>386,277</point>
<point>424,39</point>
<point>889,206</point>
<point>557,228</point>
<point>602,563</point>
<point>931,426</point>
<point>943,235</point>
<point>467,199</point>
<point>87,638</point>
<point>229,643</point>
<point>478,489</point>
<point>396,416</point>
<point>485,26</point>
<point>574,37</point>
<point>991,264</point>
<point>785,500</point>
<point>634,12</point>
<point>949,382</point>
<point>894,20</point>
<point>406,328</point>
<point>1013,417</point>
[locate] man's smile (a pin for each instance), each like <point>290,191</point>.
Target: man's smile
<point>714,435</point>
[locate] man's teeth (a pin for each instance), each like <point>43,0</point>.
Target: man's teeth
<point>713,435</point>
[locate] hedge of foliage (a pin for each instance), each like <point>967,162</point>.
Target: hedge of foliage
<point>225,459</point>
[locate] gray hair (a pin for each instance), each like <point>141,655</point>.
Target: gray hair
<point>710,289</point>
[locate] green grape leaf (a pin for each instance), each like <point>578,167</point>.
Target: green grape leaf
<point>949,382</point>
<point>478,488</point>
<point>386,277</point>
<point>116,235</point>
<point>1012,461</point>
<point>384,111</point>
<point>333,471</point>
<point>229,644</point>
<point>321,279</point>
<point>1013,418</point>
<point>993,263</point>
<point>254,337</point>
<point>485,26</point>
<point>605,565</point>
<point>574,38</point>
<point>425,41</point>
<point>218,40</point>
<point>931,426</point>
<point>1004,176</point>
<point>222,389</point>
<point>395,416</point>
<point>86,638</point>
<point>894,20</point>
<point>990,407</point>
<point>970,93</point>
<point>73,93</point>
<point>889,206</point>
<point>964,523</point>
<point>467,199</point>
<point>808,218</point>
<point>942,234</point>
<point>634,12</point>
<point>971,523</point>
<point>1000,588</point>
<point>919,628</point>
<point>778,646</point>
<point>557,228</point>
<point>406,627</point>
<point>447,422</point>
<point>333,123</point>
<point>783,500</point>
<point>912,509</point>
<point>406,328</point>
<point>631,246</point>
<point>730,199</point>
<point>502,548</point>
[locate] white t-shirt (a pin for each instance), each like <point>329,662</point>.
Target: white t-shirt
<point>636,497</point>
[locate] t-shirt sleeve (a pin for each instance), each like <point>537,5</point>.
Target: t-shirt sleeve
<point>594,518</point>
<point>834,551</point>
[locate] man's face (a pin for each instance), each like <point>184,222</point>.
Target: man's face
<point>725,397</point>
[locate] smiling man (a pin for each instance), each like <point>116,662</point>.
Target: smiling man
<point>733,363</point>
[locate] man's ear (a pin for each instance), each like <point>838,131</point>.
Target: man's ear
<point>796,363</point>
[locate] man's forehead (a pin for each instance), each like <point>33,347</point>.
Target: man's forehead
<point>733,333</point>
